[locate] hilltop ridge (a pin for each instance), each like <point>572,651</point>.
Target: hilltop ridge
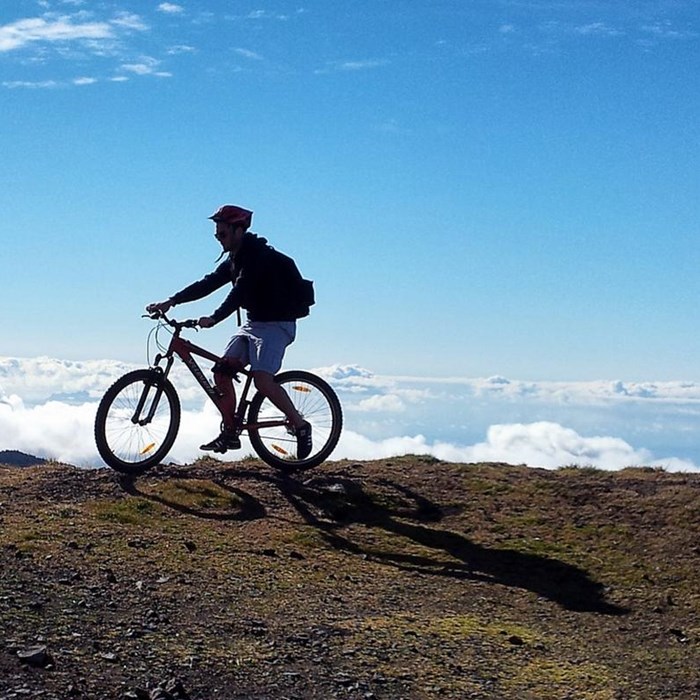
<point>399,578</point>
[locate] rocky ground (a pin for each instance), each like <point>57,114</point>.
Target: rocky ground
<point>403,578</point>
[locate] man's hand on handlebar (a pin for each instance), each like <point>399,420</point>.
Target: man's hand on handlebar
<point>206,322</point>
<point>159,307</point>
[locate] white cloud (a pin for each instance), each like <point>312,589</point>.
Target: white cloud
<point>40,379</point>
<point>388,403</point>
<point>549,444</point>
<point>129,20</point>
<point>43,377</point>
<point>179,49</point>
<point>246,53</point>
<point>52,29</point>
<point>77,36</point>
<point>340,372</point>
<point>26,31</point>
<point>351,66</point>
<point>266,14</point>
<point>146,66</point>
<point>359,65</point>
<point>666,30</point>
<point>170,8</point>
<point>38,84</point>
<point>543,444</point>
<point>598,29</point>
<point>53,430</point>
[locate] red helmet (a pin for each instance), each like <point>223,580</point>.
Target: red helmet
<point>231,214</point>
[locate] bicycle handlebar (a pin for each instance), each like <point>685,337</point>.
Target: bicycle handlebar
<point>177,325</point>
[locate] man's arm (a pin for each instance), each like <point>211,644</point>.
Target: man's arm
<point>228,306</point>
<point>202,288</point>
<point>197,290</point>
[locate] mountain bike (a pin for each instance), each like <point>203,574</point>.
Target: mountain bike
<point>138,418</point>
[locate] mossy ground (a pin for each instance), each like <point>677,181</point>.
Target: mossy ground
<point>404,578</point>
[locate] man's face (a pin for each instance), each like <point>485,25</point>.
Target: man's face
<point>229,236</point>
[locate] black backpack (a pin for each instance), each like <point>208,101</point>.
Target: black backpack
<point>301,296</point>
<point>305,298</point>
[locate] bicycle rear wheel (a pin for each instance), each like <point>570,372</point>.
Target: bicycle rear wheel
<point>137,421</point>
<point>316,402</point>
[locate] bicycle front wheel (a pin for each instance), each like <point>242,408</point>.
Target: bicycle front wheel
<point>137,421</point>
<point>317,403</point>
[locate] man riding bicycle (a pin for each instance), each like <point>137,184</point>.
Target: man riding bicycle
<point>263,281</point>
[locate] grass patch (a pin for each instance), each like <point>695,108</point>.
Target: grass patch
<point>126,511</point>
<point>196,494</point>
<point>557,679</point>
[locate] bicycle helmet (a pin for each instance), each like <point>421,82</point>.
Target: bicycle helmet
<point>231,214</point>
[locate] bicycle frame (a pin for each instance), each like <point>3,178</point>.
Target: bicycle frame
<point>186,350</point>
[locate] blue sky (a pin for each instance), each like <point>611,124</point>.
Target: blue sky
<point>478,188</point>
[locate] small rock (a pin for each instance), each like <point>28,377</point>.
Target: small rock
<point>175,688</point>
<point>681,636</point>
<point>170,690</point>
<point>137,694</point>
<point>344,680</point>
<point>35,656</point>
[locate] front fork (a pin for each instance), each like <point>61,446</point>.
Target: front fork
<point>161,375</point>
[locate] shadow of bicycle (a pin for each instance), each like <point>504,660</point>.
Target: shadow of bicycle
<point>205,499</point>
<point>331,504</point>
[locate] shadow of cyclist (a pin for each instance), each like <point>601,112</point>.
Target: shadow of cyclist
<point>331,504</point>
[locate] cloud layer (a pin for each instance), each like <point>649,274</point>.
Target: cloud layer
<point>47,408</point>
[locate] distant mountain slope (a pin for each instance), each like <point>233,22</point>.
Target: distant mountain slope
<point>16,458</point>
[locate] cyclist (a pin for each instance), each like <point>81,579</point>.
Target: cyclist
<point>260,287</point>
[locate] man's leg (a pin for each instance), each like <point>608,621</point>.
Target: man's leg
<point>224,372</point>
<point>228,439</point>
<point>265,383</point>
<point>268,344</point>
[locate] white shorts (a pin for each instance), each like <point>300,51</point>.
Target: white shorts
<point>261,344</point>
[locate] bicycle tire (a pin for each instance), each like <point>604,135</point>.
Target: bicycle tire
<point>316,402</point>
<point>128,447</point>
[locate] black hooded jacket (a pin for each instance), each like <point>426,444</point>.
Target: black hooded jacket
<point>263,281</point>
